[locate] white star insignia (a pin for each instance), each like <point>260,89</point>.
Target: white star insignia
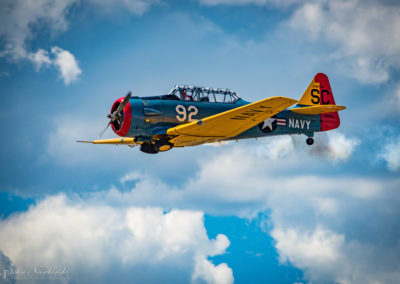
<point>268,123</point>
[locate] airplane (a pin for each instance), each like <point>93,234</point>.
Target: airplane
<point>190,116</point>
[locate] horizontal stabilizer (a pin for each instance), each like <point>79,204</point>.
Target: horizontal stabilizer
<point>114,141</point>
<point>318,109</point>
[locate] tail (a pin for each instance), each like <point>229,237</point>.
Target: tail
<point>318,99</point>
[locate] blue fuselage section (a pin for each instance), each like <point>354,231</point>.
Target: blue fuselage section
<point>154,116</point>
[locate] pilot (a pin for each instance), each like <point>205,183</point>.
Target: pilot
<point>185,96</point>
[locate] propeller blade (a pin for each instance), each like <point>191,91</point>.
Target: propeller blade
<point>121,106</point>
<point>104,130</point>
<point>114,115</point>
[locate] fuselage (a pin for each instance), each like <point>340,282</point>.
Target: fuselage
<point>190,116</point>
<point>153,116</point>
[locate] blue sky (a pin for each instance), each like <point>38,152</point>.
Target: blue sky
<point>266,211</point>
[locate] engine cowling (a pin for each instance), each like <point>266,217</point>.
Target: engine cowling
<point>122,124</point>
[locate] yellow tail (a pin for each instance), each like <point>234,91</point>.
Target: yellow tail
<point>318,99</point>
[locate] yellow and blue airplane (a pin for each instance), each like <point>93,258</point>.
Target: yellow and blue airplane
<point>190,116</point>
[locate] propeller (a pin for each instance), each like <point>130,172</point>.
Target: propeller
<point>117,113</point>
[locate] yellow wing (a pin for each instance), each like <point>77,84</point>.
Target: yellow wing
<point>227,124</point>
<point>114,141</point>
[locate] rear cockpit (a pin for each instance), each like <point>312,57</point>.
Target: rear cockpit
<point>201,94</point>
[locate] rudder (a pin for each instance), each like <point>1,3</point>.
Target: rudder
<point>319,92</point>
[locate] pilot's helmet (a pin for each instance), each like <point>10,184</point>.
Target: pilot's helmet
<point>184,93</point>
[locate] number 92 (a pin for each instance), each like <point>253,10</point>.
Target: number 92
<point>182,113</point>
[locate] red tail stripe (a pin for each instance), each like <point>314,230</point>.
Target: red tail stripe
<point>328,120</point>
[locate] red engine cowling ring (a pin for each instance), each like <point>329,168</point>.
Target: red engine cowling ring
<point>127,121</point>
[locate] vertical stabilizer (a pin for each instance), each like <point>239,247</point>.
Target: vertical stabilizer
<point>319,92</point>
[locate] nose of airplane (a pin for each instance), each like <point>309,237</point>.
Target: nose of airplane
<point>123,122</point>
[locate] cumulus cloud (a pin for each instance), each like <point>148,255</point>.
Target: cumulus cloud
<point>63,60</point>
<point>244,189</point>
<point>398,96</point>
<point>336,146</point>
<point>391,154</point>
<point>332,145</point>
<point>19,23</point>
<point>40,59</point>
<point>18,18</point>
<point>66,63</point>
<point>99,243</point>
<point>246,2</point>
<point>276,148</point>
<point>63,148</point>
<point>327,255</point>
<point>208,272</point>
<point>21,20</point>
<point>6,269</point>
<point>323,254</point>
<point>62,145</point>
<point>362,33</point>
<point>137,7</point>
<point>330,227</point>
<point>319,247</point>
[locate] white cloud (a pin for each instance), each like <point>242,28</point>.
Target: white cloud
<point>242,183</point>
<point>6,269</point>
<point>362,33</point>
<point>66,63</point>
<point>40,59</point>
<point>326,256</point>
<point>275,148</point>
<point>398,96</point>
<point>21,20</point>
<point>62,141</point>
<point>63,148</point>
<point>323,225</point>
<point>136,7</point>
<point>247,2</point>
<point>340,147</point>
<point>391,154</point>
<point>220,181</point>
<point>329,226</point>
<point>130,177</point>
<point>19,17</point>
<point>332,145</point>
<point>206,271</point>
<point>63,60</point>
<point>325,206</point>
<point>92,240</point>
<point>319,247</point>
<point>18,20</point>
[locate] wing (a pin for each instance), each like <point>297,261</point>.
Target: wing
<point>114,141</point>
<point>227,124</point>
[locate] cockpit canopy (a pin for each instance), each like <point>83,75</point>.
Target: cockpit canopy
<point>201,94</point>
